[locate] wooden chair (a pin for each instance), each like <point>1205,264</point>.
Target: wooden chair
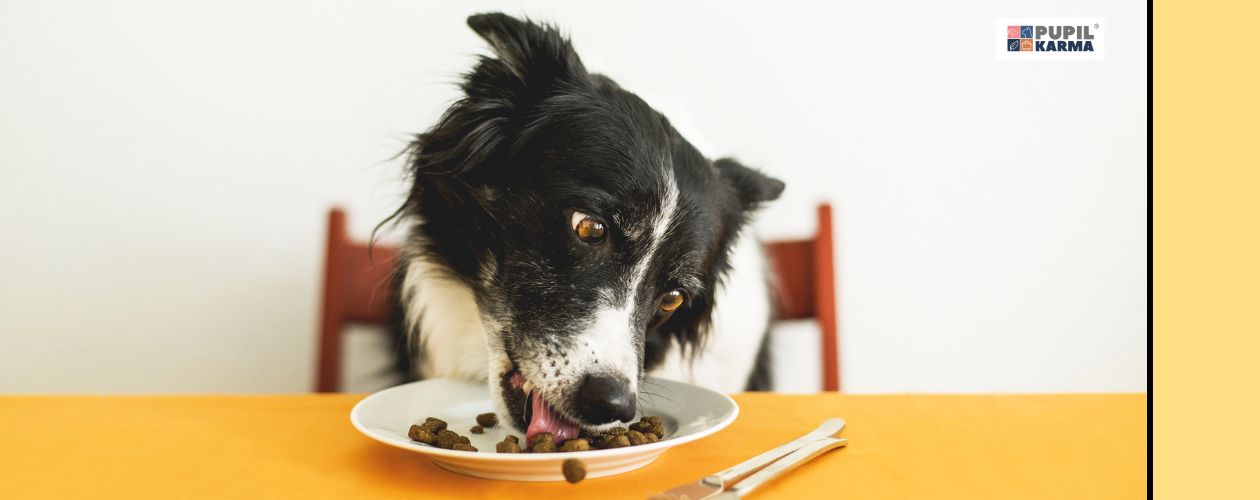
<point>357,290</point>
<point>805,275</point>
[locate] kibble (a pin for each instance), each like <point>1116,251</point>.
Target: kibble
<point>433,425</point>
<point>574,470</point>
<point>541,437</point>
<point>435,432</point>
<point>487,420</point>
<point>576,444</point>
<point>636,438</point>
<point>419,433</point>
<point>508,446</point>
<point>447,440</point>
<point>618,441</point>
<point>646,426</point>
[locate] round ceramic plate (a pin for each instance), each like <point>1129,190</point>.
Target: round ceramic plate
<point>687,411</point>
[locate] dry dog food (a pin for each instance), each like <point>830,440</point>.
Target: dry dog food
<point>542,442</point>
<point>510,444</point>
<point>574,470</point>
<point>576,444</point>
<point>649,425</point>
<point>434,432</point>
<point>487,420</point>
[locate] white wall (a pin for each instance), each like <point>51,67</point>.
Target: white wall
<point>165,167</point>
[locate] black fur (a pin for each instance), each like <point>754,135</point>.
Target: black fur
<point>762,378</point>
<point>536,137</point>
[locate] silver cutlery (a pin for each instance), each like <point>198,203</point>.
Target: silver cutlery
<point>715,484</point>
<point>782,466</point>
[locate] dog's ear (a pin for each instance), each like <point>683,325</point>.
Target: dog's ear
<point>532,61</point>
<point>536,54</point>
<point>752,186</point>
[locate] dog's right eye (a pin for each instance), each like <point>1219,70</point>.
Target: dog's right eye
<point>590,230</point>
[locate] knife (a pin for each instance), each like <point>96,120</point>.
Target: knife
<point>782,466</point>
<point>717,483</point>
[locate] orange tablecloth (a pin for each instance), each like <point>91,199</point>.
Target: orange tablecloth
<point>303,446</point>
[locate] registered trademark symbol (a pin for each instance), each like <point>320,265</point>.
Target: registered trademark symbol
<point>1095,25</point>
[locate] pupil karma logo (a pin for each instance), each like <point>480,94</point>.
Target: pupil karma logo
<point>1029,38</point>
<point>1050,39</point>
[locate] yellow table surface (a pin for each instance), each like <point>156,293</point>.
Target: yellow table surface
<point>303,446</point>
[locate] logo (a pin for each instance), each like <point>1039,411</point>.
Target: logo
<point>1050,38</point>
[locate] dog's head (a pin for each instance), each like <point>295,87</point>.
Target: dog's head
<point>592,234</point>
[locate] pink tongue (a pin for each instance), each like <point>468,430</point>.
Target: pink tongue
<point>544,420</point>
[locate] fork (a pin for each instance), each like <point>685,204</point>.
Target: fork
<point>715,484</point>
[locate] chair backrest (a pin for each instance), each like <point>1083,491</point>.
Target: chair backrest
<point>805,279</point>
<point>357,289</point>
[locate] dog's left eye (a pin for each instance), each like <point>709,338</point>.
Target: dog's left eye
<point>588,229</point>
<point>672,300</point>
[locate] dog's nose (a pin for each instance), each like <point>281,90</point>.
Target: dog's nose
<point>602,399</point>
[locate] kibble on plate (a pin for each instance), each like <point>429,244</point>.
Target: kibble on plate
<point>574,470</point>
<point>540,437</point>
<point>636,438</point>
<point>487,420</point>
<point>434,432</point>
<point>447,440</point>
<point>433,425</point>
<point>576,444</point>
<point>618,441</point>
<point>543,442</point>
<point>509,445</point>
<point>647,426</point>
<point>419,433</point>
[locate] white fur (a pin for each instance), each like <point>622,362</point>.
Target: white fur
<point>445,312</point>
<point>609,341</point>
<point>740,314</point>
<point>610,338</point>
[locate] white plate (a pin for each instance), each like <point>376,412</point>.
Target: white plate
<point>687,411</point>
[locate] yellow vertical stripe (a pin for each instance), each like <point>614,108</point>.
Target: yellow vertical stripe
<point>1207,250</point>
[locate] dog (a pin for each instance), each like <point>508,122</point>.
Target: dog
<point>564,241</point>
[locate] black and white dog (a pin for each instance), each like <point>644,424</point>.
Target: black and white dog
<point>565,241</point>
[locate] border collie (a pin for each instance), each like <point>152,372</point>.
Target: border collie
<point>564,241</point>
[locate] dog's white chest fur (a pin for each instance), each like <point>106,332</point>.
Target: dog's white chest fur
<point>454,342</point>
<point>444,311</point>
